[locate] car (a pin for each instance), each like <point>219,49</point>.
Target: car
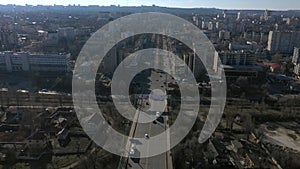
<point>184,80</point>
<point>132,149</point>
<point>22,91</point>
<point>3,90</point>
<point>147,136</point>
<point>44,90</point>
<point>157,114</point>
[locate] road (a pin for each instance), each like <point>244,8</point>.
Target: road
<point>152,129</point>
<point>159,81</point>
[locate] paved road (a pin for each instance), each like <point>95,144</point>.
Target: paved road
<point>157,81</point>
<point>152,129</point>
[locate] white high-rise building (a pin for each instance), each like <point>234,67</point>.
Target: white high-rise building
<point>296,60</point>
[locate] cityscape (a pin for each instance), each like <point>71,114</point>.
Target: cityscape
<point>250,59</point>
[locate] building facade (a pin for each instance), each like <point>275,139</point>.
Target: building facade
<point>296,60</point>
<point>237,57</point>
<point>16,62</point>
<point>283,41</point>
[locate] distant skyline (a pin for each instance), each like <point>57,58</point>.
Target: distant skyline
<point>222,4</point>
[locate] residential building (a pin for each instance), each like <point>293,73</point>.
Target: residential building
<point>224,35</point>
<point>237,57</point>
<point>14,62</point>
<point>296,60</point>
<point>250,46</point>
<point>283,41</point>
<point>211,26</point>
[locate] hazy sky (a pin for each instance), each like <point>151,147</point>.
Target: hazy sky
<point>228,4</point>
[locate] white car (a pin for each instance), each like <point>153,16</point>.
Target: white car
<point>132,149</point>
<point>184,80</point>
<point>157,114</point>
<point>146,136</point>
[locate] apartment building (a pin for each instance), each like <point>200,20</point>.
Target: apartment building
<point>14,62</point>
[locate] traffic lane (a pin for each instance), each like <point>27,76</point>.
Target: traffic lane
<point>155,162</point>
<point>158,81</point>
<point>158,161</point>
<point>141,130</point>
<point>152,129</point>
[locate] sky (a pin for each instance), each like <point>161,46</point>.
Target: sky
<point>223,4</point>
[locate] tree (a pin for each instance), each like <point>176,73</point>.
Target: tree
<point>10,158</point>
<point>277,57</point>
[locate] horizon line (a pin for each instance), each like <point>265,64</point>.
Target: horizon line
<point>113,5</point>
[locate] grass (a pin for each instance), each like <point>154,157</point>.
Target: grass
<point>60,162</point>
